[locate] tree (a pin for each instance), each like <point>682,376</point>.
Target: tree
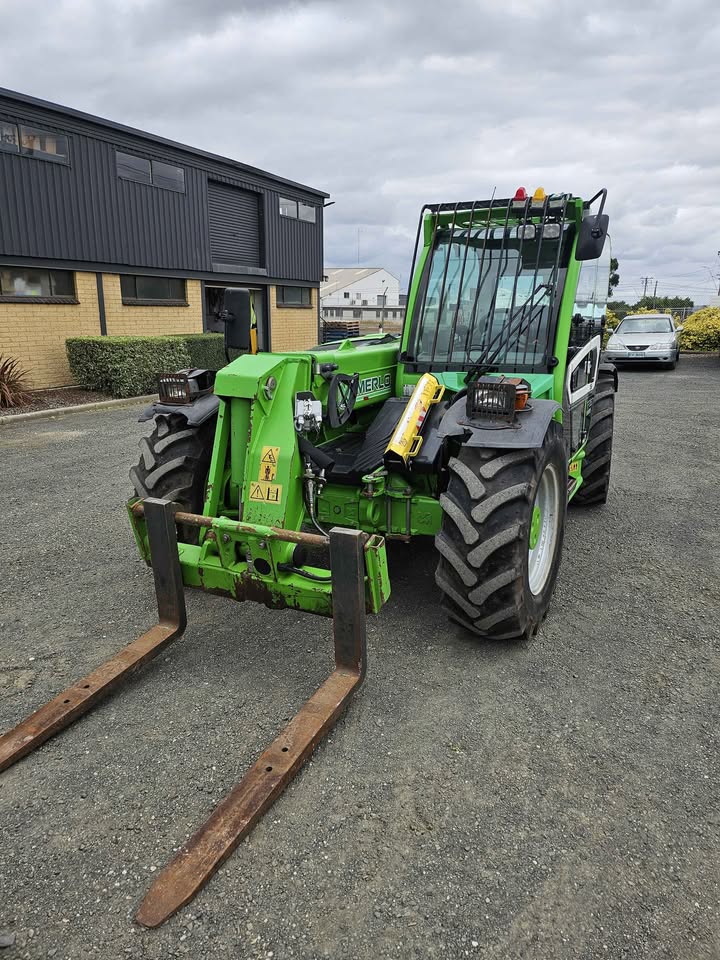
<point>669,303</point>
<point>614,275</point>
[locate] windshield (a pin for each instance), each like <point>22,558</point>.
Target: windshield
<point>645,325</point>
<point>486,297</point>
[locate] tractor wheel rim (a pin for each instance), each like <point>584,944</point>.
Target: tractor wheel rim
<point>544,529</point>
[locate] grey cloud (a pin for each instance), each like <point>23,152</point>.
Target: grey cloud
<point>389,105</point>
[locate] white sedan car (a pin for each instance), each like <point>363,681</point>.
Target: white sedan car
<point>645,338</point>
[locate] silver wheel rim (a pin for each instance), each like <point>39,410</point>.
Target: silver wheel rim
<point>540,557</point>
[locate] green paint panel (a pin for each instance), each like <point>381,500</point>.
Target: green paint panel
<point>255,481</point>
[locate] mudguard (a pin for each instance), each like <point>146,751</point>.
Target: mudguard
<point>607,367</point>
<point>527,432</point>
<point>196,412</point>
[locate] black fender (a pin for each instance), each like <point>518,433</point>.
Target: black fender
<point>611,369</point>
<point>196,412</point>
<point>527,432</point>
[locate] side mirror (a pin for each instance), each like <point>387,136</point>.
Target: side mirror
<point>591,237</point>
<point>679,328</point>
<point>237,317</point>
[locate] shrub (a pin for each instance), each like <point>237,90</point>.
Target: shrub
<point>611,321</point>
<point>701,330</point>
<point>13,383</point>
<point>129,366</point>
<point>206,350</point>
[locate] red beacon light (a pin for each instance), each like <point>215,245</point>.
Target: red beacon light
<point>520,195</point>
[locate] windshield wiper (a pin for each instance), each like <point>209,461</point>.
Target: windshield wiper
<point>481,366</point>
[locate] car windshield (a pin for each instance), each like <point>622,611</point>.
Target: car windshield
<point>645,325</point>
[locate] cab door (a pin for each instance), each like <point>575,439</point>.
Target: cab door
<point>585,347</point>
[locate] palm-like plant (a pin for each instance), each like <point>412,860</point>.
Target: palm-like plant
<point>13,383</point>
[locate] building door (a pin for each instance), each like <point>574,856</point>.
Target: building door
<point>213,306</point>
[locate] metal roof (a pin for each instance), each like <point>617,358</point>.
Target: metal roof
<point>340,277</point>
<point>23,98</point>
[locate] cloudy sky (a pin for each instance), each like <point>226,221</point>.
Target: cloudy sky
<point>387,105</point>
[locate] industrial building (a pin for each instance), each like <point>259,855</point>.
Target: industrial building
<point>106,230</point>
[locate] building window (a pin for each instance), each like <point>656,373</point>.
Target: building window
<point>293,296</point>
<point>288,208</point>
<point>26,283</point>
<point>382,300</point>
<point>377,314</point>
<point>306,212</point>
<point>168,177</point>
<point>346,295</point>
<point>33,142</point>
<point>9,137</point>
<point>297,210</point>
<point>163,291</point>
<point>132,168</point>
<point>153,172</point>
<point>43,144</point>
<point>357,314</point>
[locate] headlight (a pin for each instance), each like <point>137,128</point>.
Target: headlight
<point>663,345</point>
<point>614,343</point>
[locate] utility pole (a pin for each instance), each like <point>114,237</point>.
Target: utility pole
<point>645,282</point>
<point>655,294</point>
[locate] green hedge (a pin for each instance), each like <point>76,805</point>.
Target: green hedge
<point>129,366</point>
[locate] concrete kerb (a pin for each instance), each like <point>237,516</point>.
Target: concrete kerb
<point>78,408</point>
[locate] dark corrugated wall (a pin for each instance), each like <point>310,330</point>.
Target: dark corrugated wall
<point>84,212</point>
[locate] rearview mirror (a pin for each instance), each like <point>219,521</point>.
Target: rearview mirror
<point>237,317</point>
<point>591,236</point>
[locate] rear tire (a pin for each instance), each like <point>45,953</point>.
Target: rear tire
<point>598,452</point>
<point>174,465</point>
<point>486,564</point>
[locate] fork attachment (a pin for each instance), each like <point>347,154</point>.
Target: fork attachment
<point>72,703</point>
<point>241,809</point>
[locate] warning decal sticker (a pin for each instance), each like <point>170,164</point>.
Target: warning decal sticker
<point>266,492</point>
<point>268,464</point>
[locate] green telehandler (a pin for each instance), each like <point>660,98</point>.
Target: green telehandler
<point>477,426</point>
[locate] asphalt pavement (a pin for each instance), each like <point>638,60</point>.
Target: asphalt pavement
<point>552,800</point>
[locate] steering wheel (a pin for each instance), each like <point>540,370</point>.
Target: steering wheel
<point>342,394</point>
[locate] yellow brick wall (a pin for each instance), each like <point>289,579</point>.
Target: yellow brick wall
<point>293,328</point>
<point>35,333</point>
<point>126,321</point>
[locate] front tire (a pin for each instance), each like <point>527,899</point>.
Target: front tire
<point>174,465</point>
<point>500,541</point>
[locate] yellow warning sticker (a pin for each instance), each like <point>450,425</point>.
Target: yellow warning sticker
<point>268,463</point>
<point>266,492</point>
<point>575,467</point>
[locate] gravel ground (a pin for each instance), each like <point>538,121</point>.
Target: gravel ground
<point>558,800</point>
